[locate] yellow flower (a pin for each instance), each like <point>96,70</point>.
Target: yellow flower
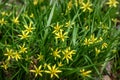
<point>80,1</point>
<point>35,2</point>
<point>85,73</point>
<point>24,35</point>
<point>45,65</point>
<point>40,57</point>
<point>56,53</point>
<point>2,21</point>
<point>86,28</point>
<point>69,24</point>
<point>100,39</point>
<point>12,55</point>
<point>87,42</point>
<point>57,28</point>
<point>112,3</point>
<point>4,13</point>
<point>23,49</point>
<point>25,14</point>
<point>92,39</point>
<point>37,71</point>
<point>16,55</point>
<point>69,5</point>
<point>53,71</point>
<point>28,29</point>
<point>68,54</point>
<point>86,6</point>
<point>104,45</point>
<point>15,20</point>
<point>97,51</point>
<point>5,65</point>
<point>31,15</point>
<point>104,27</point>
<point>61,35</point>
<point>76,3</point>
<point>60,64</point>
<point>9,53</point>
<point>115,20</point>
<point>114,51</point>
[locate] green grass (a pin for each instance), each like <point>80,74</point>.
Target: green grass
<point>84,41</point>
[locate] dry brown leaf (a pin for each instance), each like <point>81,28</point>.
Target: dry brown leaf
<point>106,77</point>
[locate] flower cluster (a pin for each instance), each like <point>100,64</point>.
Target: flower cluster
<point>92,40</point>
<point>59,34</point>
<point>58,39</point>
<point>52,70</point>
<point>25,33</point>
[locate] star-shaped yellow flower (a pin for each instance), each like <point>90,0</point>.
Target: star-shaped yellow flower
<point>86,6</point>
<point>92,39</point>
<point>35,2</point>
<point>24,35</point>
<point>4,13</point>
<point>15,20</point>
<point>2,21</point>
<point>61,35</point>
<point>104,45</point>
<point>23,49</point>
<point>112,3</point>
<point>57,28</point>
<point>68,54</point>
<point>85,73</point>
<point>40,57</point>
<point>16,56</point>
<point>28,29</point>
<point>53,71</point>
<point>9,53</point>
<point>56,54</point>
<point>97,51</point>
<point>86,42</point>
<point>5,64</point>
<point>37,71</point>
